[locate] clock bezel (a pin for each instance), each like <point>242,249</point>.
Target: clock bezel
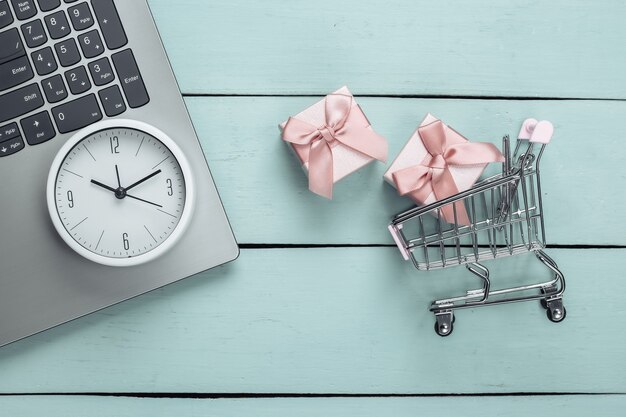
<point>188,207</point>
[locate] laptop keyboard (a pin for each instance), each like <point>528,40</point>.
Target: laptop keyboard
<point>69,54</point>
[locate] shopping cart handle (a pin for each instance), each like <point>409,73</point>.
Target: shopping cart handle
<point>542,133</point>
<point>527,129</point>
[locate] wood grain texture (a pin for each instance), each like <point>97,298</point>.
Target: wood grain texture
<point>513,48</point>
<point>266,195</point>
<point>330,320</point>
<point>72,406</point>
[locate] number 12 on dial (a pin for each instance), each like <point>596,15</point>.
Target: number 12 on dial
<point>120,192</point>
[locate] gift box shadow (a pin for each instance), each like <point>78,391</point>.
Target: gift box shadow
<point>295,177</point>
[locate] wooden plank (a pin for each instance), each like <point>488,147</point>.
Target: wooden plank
<point>64,406</point>
<point>514,48</point>
<point>259,178</point>
<point>349,320</point>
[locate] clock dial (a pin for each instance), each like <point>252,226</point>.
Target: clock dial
<point>119,193</point>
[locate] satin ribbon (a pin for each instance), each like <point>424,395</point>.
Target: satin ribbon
<point>433,175</point>
<point>343,124</point>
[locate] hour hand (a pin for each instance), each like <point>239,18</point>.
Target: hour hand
<point>99,184</point>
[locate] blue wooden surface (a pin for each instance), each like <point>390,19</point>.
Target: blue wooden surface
<point>68,406</point>
<point>579,171</point>
<point>329,321</point>
<point>560,48</point>
<point>354,320</point>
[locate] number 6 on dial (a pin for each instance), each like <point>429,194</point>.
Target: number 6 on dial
<point>120,192</point>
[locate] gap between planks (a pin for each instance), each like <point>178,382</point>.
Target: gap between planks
<point>391,245</point>
<point>194,395</point>
<point>415,96</point>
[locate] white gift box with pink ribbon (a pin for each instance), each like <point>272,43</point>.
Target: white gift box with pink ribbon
<point>438,162</point>
<point>333,139</point>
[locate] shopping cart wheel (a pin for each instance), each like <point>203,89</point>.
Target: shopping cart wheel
<point>546,290</point>
<point>555,309</point>
<point>556,315</point>
<point>444,324</point>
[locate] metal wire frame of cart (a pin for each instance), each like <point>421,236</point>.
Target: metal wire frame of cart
<point>506,218</point>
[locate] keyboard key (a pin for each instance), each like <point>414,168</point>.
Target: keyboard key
<point>77,114</point>
<point>91,44</point>
<point>11,146</point>
<point>130,78</point>
<point>6,18</point>
<point>57,24</point>
<point>34,33</point>
<point>77,80</point>
<point>10,140</point>
<point>110,23</point>
<point>9,132</point>
<point>19,102</point>
<point>15,72</point>
<point>11,45</point>
<point>44,61</point>
<point>112,101</point>
<point>67,52</point>
<point>101,72</point>
<point>47,5</point>
<point>38,128</point>
<point>24,9</point>
<point>81,17</point>
<point>54,89</point>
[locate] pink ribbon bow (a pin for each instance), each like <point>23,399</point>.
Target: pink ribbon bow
<point>344,125</point>
<point>432,175</point>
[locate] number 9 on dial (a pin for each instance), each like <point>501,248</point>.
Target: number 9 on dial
<point>120,192</point>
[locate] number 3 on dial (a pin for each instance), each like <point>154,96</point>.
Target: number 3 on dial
<point>120,192</point>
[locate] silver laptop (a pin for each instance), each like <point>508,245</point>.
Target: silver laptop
<point>85,86</point>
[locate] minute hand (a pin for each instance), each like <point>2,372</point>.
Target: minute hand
<point>143,179</point>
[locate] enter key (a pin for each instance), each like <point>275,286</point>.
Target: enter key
<point>130,78</point>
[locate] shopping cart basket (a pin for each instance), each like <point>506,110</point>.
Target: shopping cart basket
<point>505,218</point>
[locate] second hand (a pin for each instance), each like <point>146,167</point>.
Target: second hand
<point>145,201</point>
<point>123,191</point>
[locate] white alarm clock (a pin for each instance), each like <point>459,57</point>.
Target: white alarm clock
<point>120,192</point>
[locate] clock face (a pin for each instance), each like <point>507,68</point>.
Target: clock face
<point>119,193</point>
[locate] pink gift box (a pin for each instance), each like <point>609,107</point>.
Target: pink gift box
<point>345,159</point>
<point>414,152</point>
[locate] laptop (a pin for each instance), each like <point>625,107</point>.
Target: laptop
<point>72,66</point>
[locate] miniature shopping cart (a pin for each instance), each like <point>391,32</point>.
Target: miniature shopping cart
<point>505,218</point>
